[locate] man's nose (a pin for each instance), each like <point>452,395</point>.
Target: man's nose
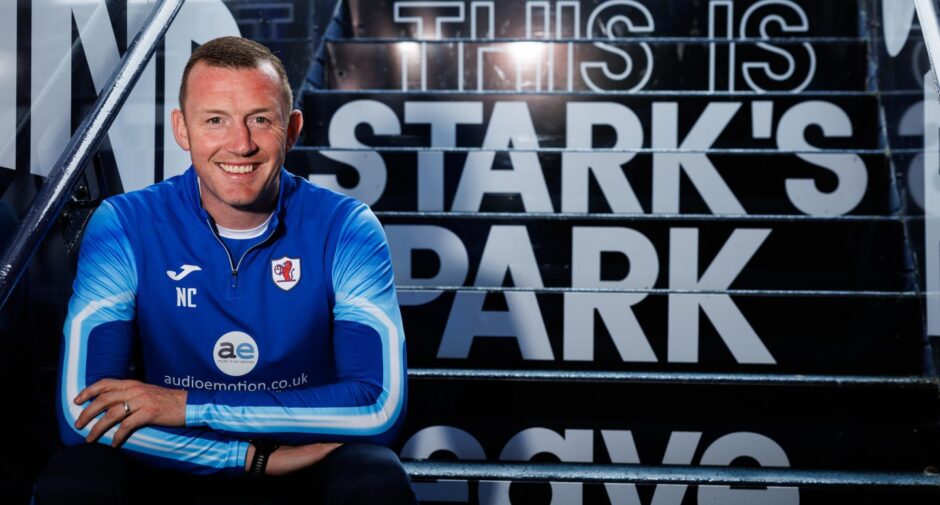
<point>240,140</point>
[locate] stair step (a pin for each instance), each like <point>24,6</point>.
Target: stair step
<point>757,181</point>
<point>619,483</point>
<point>569,66</point>
<point>649,474</point>
<point>823,488</point>
<point>580,120</point>
<point>865,428</point>
<point>691,378</point>
<point>474,19</point>
<point>664,333</point>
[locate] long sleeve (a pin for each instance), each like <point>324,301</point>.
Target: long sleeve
<point>99,335</point>
<point>366,402</point>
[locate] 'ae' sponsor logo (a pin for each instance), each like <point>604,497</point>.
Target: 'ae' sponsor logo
<point>285,272</point>
<point>235,353</point>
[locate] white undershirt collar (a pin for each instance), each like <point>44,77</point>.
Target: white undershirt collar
<point>255,232</point>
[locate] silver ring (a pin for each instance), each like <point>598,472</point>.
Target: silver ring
<point>127,409</point>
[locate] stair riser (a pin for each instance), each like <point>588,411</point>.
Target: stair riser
<point>799,427</point>
<point>421,180</point>
<point>682,18</point>
<point>663,122</point>
<point>649,253</point>
<point>584,66</point>
<point>808,335</point>
<point>664,494</point>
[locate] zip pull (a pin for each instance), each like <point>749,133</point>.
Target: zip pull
<point>234,278</point>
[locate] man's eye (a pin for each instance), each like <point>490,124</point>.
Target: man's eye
<point>214,120</point>
<point>260,120</point>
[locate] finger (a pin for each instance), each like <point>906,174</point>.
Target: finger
<point>96,389</point>
<point>105,385</point>
<point>113,416</point>
<point>91,411</point>
<point>101,403</point>
<point>126,427</point>
<point>100,387</point>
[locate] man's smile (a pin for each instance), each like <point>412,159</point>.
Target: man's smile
<point>238,168</point>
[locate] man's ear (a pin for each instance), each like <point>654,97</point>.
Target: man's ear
<point>180,132</point>
<point>295,123</point>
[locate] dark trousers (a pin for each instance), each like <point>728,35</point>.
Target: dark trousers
<point>98,474</point>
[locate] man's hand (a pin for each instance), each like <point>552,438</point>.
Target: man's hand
<point>287,459</point>
<point>147,405</point>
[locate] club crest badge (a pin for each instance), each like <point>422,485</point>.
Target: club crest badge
<point>285,272</point>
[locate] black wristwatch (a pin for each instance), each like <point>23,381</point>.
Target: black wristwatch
<point>263,450</point>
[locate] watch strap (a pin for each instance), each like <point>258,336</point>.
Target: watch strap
<point>263,450</point>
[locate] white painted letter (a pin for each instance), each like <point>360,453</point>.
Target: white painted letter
<point>369,164</point>
<point>132,133</point>
<point>403,239</point>
<point>577,446</point>
<point>8,85</point>
<point>468,320</point>
<point>732,327</point>
<point>581,119</point>
<point>508,249</point>
<point>699,169</point>
<point>502,253</point>
<point>432,439</point>
<point>765,451</point>
<point>510,125</point>
<point>932,203</point>
<point>587,244</point>
<point>443,118</point>
<point>848,168</point>
<point>622,449</point>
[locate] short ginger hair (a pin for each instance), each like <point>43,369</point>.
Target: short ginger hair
<point>236,53</point>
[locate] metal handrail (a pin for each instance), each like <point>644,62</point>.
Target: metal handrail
<point>675,378</point>
<point>666,474</point>
<point>48,204</point>
<point>930,28</point>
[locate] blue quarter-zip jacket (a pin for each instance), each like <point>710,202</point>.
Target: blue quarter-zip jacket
<point>299,340</point>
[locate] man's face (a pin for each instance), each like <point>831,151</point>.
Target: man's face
<point>237,130</point>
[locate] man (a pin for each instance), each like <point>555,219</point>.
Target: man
<point>262,307</point>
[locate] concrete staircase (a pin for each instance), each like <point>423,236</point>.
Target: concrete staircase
<point>647,251</point>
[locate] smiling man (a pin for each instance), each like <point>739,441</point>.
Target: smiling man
<point>262,309</point>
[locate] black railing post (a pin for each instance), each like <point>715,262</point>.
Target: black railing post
<point>84,143</point>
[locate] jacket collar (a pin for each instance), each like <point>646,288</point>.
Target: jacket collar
<point>190,188</point>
